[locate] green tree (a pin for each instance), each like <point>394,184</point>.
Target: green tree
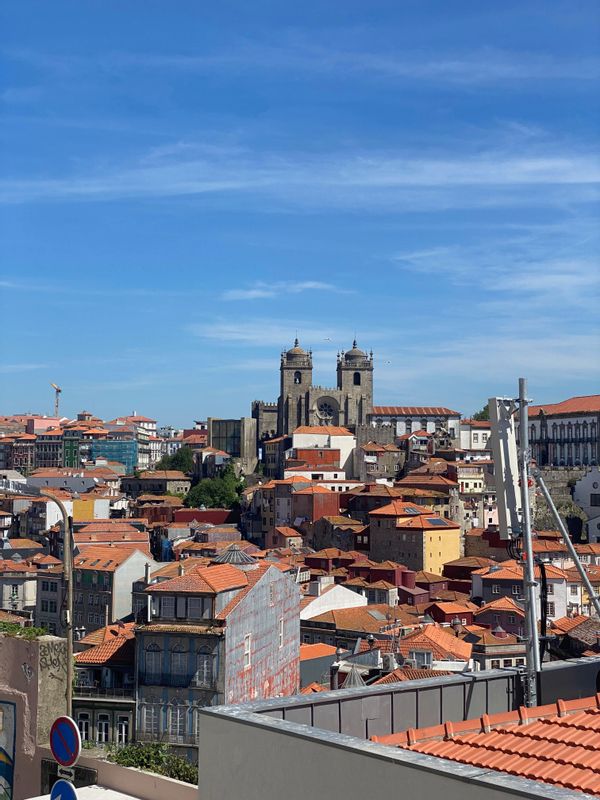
<point>220,492</point>
<point>483,415</point>
<point>183,460</point>
<point>154,757</point>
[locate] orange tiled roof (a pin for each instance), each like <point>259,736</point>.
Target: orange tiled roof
<point>314,490</point>
<point>565,624</point>
<point>205,580</point>
<point>585,404</point>
<point>108,633</point>
<point>120,649</point>
<point>502,604</point>
<point>330,430</point>
<point>442,644</point>
<point>399,508</point>
<point>410,674</point>
<point>366,619</point>
<point>313,687</point>
<point>556,744</point>
<point>103,558</point>
<point>309,651</point>
<point>418,411</point>
<point>431,522</point>
<point>19,544</point>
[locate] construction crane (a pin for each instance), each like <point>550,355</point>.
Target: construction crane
<point>57,391</point>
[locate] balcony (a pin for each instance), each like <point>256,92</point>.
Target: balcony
<point>103,692</point>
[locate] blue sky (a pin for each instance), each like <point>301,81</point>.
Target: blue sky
<point>185,185</point>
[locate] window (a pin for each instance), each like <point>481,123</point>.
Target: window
<point>280,632</point>
<point>297,377</point>
<point>550,609</point>
<point>167,607</point>
<point>247,647</point>
<point>497,618</point>
<point>83,723</point>
<point>507,662</point>
<point>45,586</point>
<point>512,619</point>
<point>515,588</point>
<point>52,606</point>
<point>495,588</point>
<point>153,664</point>
<point>195,608</point>
<point>572,588</point>
<point>103,728</point>
<point>176,719</point>
<point>550,588</point>
<point>495,663</point>
<point>422,658</point>
<point>594,499</point>
<point>122,730</point>
<point>150,717</point>
<point>357,378</point>
<point>44,605</point>
<point>475,438</point>
<point>519,662</point>
<point>204,664</point>
<point>178,661</point>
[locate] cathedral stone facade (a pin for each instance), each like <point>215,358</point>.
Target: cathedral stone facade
<point>302,403</point>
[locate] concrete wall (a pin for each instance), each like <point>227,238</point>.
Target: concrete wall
<point>33,677</point>
<point>327,732</point>
<point>338,597</point>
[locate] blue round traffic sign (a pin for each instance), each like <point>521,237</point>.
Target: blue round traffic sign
<point>65,741</point>
<point>63,790</point>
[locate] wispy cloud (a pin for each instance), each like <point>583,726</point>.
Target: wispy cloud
<point>261,291</point>
<point>25,367</point>
<point>355,179</point>
<point>297,54</point>
<point>272,333</point>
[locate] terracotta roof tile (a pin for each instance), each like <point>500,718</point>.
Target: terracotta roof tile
<point>310,651</point>
<point>410,674</point>
<point>330,430</point>
<point>585,404</point>
<point>119,650</point>
<point>502,604</point>
<point>558,745</point>
<point>204,580</point>
<point>418,411</point>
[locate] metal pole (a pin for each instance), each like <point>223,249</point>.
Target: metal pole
<point>594,598</point>
<point>68,587</point>
<point>533,645</point>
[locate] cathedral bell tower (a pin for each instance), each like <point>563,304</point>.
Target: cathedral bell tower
<point>295,384</point>
<point>355,383</point>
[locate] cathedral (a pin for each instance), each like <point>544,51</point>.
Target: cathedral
<point>302,403</point>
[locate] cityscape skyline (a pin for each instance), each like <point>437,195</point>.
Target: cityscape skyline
<point>176,206</point>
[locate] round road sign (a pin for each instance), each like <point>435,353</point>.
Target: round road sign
<point>63,790</point>
<point>65,741</point>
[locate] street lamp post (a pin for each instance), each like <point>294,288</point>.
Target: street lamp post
<point>15,488</point>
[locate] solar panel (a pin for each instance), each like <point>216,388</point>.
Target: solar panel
<point>377,615</point>
<point>439,522</point>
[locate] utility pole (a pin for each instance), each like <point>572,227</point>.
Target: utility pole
<point>530,585</point>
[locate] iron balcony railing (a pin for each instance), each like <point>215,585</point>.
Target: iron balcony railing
<point>98,691</point>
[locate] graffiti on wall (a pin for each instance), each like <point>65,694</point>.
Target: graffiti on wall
<point>7,749</point>
<point>53,658</point>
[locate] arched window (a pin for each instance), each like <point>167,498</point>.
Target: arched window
<point>153,664</point>
<point>204,667</point>
<point>151,710</point>
<point>554,430</point>
<point>176,718</point>
<point>178,664</point>
<point>103,724</point>
<point>357,378</point>
<point>297,377</point>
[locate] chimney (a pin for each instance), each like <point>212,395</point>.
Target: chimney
<point>147,573</point>
<point>408,578</point>
<point>180,569</point>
